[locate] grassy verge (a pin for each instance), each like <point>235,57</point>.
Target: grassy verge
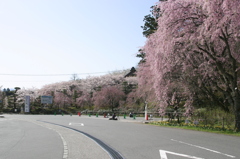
<point>205,128</point>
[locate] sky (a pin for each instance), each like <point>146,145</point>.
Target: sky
<point>47,41</point>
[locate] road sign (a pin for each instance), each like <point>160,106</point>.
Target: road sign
<point>27,104</point>
<point>46,99</point>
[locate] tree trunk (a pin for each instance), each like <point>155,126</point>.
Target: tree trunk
<point>237,110</point>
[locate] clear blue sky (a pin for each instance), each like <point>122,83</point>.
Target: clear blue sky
<point>49,37</point>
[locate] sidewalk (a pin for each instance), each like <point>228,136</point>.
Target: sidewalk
<point>138,119</point>
<point>127,119</point>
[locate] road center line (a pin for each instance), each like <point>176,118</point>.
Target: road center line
<point>204,148</point>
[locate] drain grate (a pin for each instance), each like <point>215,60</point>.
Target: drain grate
<point>113,153</point>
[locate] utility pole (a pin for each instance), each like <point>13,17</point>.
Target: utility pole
<point>146,115</point>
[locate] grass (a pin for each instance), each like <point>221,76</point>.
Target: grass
<point>199,127</point>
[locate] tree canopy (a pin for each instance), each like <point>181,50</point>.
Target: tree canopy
<point>197,46</point>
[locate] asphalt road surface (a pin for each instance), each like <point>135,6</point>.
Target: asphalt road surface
<point>74,137</point>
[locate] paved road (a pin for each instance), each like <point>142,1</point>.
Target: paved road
<point>131,138</point>
<point>19,139</point>
<point>22,137</point>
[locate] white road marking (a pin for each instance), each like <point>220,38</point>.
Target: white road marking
<point>163,155</point>
<point>77,124</point>
<point>205,148</point>
<point>65,147</point>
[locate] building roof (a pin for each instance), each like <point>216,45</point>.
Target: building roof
<point>132,73</point>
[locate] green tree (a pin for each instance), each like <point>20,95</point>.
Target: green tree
<point>14,96</point>
<point>150,25</point>
<point>150,20</point>
<point>141,55</point>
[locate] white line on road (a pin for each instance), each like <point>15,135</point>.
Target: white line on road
<point>77,124</point>
<point>163,155</point>
<point>205,148</point>
<point>65,147</point>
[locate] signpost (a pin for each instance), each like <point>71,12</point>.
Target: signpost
<point>46,99</point>
<point>27,104</point>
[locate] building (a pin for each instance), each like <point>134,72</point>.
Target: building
<point>132,73</point>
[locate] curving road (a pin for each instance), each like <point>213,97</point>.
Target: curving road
<point>20,139</point>
<point>73,137</point>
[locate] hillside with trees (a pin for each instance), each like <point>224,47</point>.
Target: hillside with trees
<point>189,67</point>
